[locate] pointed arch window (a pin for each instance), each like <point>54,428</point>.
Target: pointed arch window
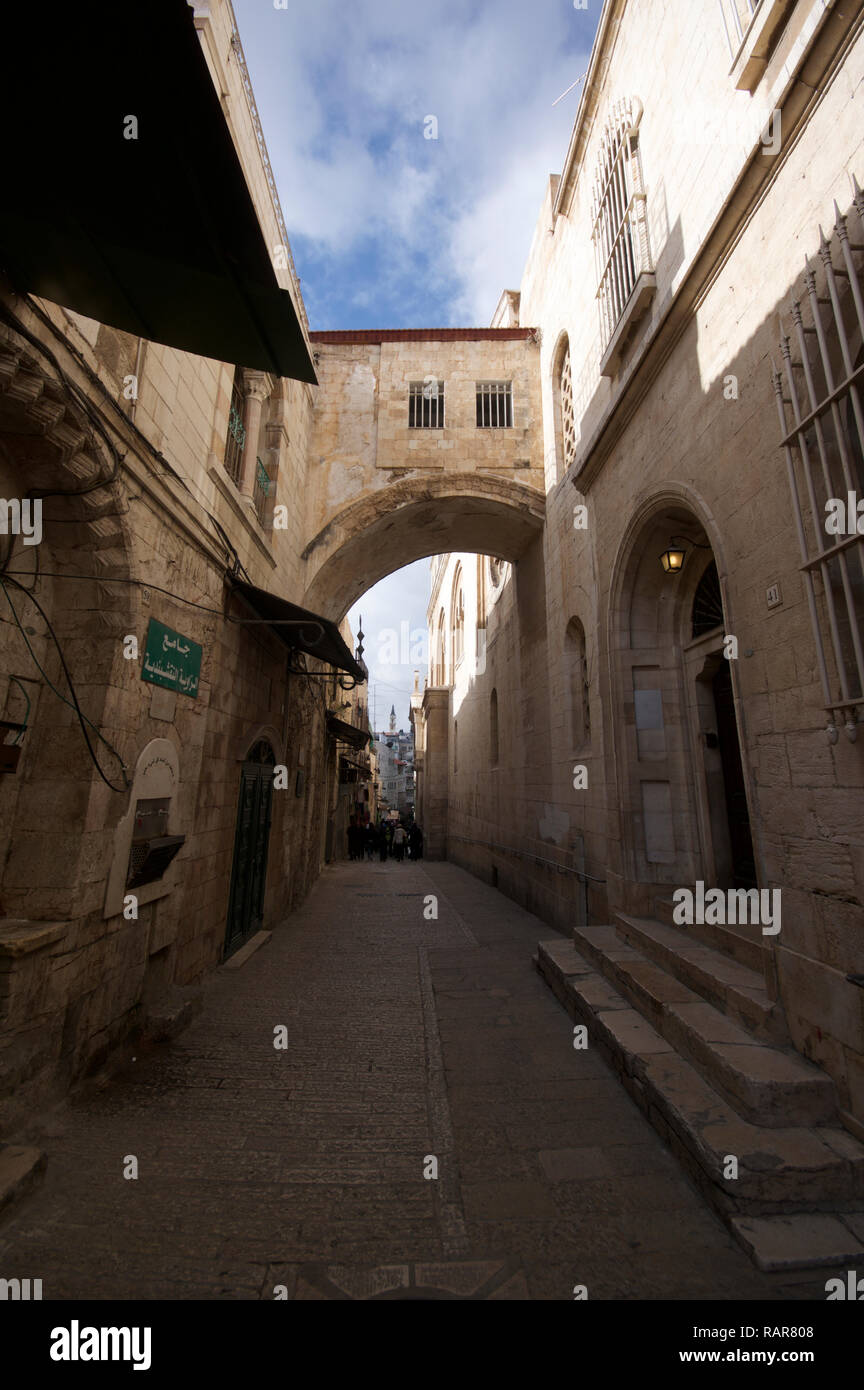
<point>439,661</point>
<point>565,422</point>
<point>236,439</point>
<point>457,619</point>
<point>578,684</point>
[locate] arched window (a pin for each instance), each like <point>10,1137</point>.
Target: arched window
<point>457,619</point>
<point>235,442</point>
<point>578,686</point>
<point>565,424</point>
<point>253,441</point>
<point>493,729</point>
<point>455,745</point>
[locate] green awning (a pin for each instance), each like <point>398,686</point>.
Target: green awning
<point>156,235</point>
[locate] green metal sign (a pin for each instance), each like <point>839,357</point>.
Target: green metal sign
<point>172,660</point>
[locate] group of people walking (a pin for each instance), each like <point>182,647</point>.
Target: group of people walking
<point>388,839</point>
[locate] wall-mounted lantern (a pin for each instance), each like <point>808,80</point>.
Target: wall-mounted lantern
<point>673,559</point>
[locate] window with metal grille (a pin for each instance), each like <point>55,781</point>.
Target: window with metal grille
<point>820,405</point>
<point>753,30</point>
<point>263,489</point>
<point>426,405</point>
<point>707,611</point>
<point>494,404</point>
<point>738,15</point>
<point>619,226</point>
<point>236,438</point>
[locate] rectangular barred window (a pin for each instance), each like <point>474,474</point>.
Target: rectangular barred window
<point>494,404</point>
<point>738,16</point>
<point>426,405</point>
<point>753,29</point>
<point>625,272</point>
<point>818,393</point>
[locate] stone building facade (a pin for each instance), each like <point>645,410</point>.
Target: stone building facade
<point>396,768</point>
<point>646,656</point>
<point>159,474</point>
<point>667,690</point>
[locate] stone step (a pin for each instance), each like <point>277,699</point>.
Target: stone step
<point>780,1171</point>
<point>749,952</point>
<point>777,1243</point>
<point>766,1085</point>
<point>731,987</point>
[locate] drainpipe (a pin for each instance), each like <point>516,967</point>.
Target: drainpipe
<point>139,362</point>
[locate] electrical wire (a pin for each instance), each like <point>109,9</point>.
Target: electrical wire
<point>143,583</point>
<point>20,738</point>
<point>73,703</point>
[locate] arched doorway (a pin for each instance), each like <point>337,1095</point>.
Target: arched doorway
<point>251,842</point>
<point>681,773</point>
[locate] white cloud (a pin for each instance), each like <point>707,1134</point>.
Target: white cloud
<point>343,92</point>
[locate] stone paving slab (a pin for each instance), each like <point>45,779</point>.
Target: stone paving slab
<point>303,1169</point>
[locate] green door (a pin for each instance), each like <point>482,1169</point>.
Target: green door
<point>251,838</point>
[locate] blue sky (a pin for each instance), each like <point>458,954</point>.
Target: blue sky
<point>394,623</point>
<point>390,229</point>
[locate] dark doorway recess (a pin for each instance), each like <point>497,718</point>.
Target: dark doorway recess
<point>738,817</point>
<point>251,840</point>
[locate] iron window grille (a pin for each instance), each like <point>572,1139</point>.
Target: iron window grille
<point>738,15</point>
<point>263,488</point>
<point>619,223</point>
<point>821,419</point>
<point>426,405</point>
<point>494,404</point>
<point>236,440</point>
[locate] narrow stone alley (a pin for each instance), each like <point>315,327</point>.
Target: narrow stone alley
<point>298,1172</point>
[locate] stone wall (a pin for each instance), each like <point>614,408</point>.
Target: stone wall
<point>681,438</point>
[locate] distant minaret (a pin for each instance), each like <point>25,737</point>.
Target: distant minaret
<point>392,719</point>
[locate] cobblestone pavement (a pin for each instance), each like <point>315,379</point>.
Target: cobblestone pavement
<point>304,1167</point>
